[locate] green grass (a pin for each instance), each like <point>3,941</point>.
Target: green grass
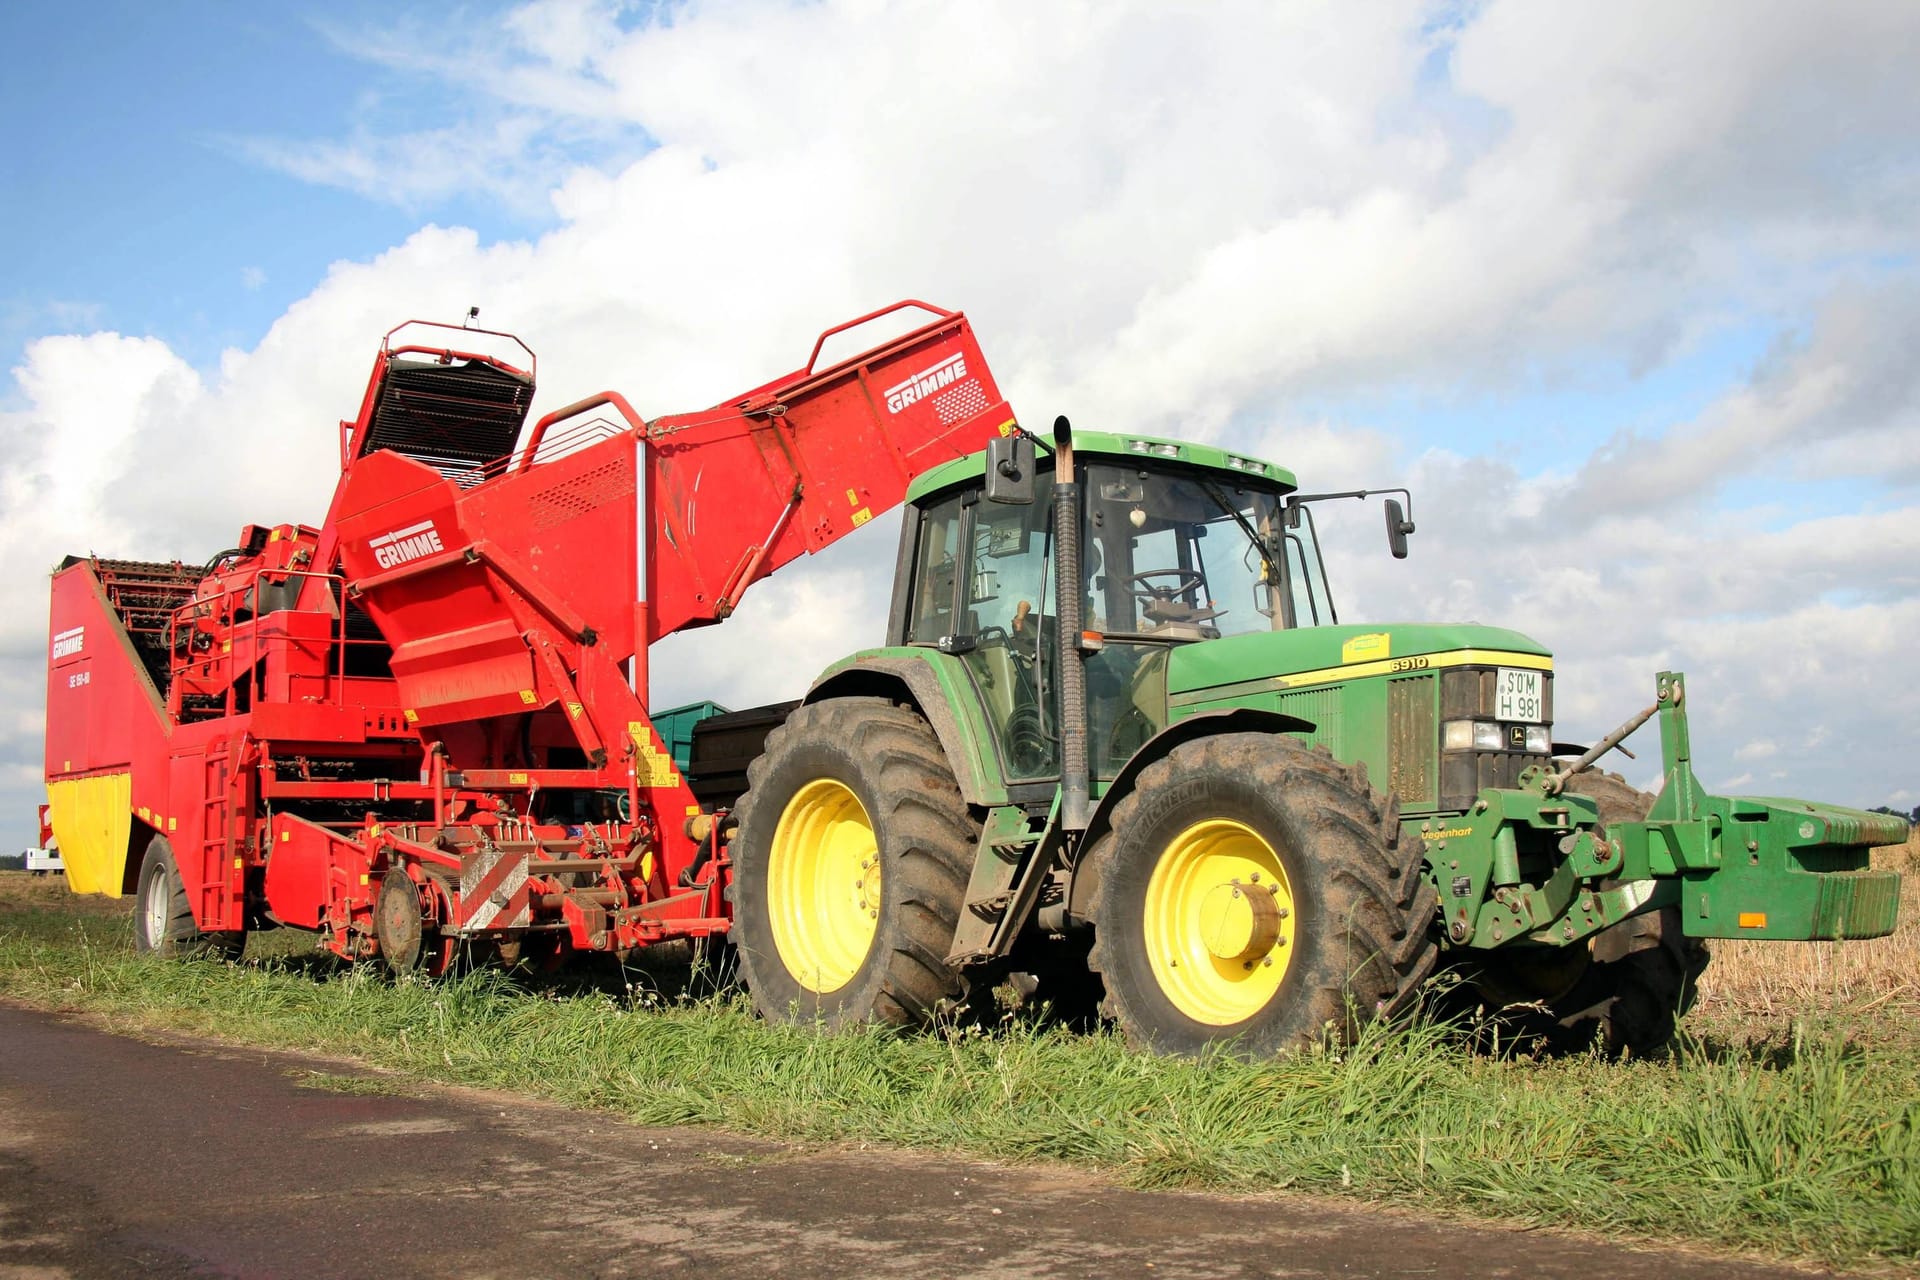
<point>1804,1146</point>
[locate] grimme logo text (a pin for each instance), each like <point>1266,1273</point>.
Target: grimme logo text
<point>926,382</point>
<point>69,642</point>
<point>402,545</point>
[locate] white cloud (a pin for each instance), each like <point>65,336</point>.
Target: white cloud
<point>1193,222</point>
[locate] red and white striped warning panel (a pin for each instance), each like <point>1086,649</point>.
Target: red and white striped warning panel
<point>494,893</point>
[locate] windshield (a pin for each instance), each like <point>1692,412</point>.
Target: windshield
<point>1181,555</point>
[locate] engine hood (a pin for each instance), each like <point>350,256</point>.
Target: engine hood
<point>1344,652</point>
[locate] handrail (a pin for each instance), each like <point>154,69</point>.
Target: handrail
<point>634,420</point>
<point>857,321</point>
<point>386,348</point>
<point>613,398</point>
<point>247,641</point>
<point>558,444</point>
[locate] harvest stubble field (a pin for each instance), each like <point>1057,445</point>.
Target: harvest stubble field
<point>1787,1124</point>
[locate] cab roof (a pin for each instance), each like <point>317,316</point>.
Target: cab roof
<point>1108,445</point>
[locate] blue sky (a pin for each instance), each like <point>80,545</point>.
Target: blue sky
<point>1627,292</point>
<point>134,176</point>
<point>129,184</point>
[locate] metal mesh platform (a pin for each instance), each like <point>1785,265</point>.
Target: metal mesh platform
<point>455,418</point>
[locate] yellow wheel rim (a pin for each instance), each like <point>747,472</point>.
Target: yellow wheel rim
<point>823,886</point>
<point>1219,922</point>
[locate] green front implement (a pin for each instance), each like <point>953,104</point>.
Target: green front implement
<point>1735,866</point>
<point>1756,866</point>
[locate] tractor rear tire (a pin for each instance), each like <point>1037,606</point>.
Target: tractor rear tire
<point>1255,893</point>
<point>850,868</point>
<point>163,923</point>
<point>1642,976</point>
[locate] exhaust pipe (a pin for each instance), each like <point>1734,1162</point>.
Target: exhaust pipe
<point>1074,799</point>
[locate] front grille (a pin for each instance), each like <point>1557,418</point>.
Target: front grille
<point>1467,693</point>
<point>1412,734</point>
<point>1464,774</point>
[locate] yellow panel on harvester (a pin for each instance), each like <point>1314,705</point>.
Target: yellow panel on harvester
<point>91,818</point>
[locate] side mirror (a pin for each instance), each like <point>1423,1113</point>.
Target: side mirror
<point>1398,527</point>
<point>1010,470</point>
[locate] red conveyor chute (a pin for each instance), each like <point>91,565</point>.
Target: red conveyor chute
<point>658,526</point>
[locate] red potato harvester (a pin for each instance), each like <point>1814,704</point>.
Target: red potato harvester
<point>425,723</point>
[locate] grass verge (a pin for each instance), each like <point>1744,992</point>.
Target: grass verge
<point>1803,1144</point>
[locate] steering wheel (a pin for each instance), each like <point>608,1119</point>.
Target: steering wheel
<point>1184,580</point>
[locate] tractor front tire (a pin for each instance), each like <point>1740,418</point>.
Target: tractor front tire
<point>850,868</point>
<point>1255,893</point>
<point>163,923</point>
<point>1622,992</point>
<point>1642,976</point>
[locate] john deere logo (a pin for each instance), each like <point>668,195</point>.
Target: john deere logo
<point>1517,737</point>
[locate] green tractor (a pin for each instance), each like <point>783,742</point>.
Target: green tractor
<point>1179,774</point>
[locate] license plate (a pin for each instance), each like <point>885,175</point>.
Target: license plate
<point>1517,695</point>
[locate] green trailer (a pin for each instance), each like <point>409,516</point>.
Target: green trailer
<point>1178,785</point>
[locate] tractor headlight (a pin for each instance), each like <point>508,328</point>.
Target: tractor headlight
<point>1470,735</point>
<point>1539,740</point>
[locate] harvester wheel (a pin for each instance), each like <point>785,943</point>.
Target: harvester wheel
<point>163,918</point>
<point>850,867</point>
<point>1257,893</point>
<point>398,923</point>
<point>1642,975</point>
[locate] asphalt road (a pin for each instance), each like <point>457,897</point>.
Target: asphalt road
<point>121,1157</point>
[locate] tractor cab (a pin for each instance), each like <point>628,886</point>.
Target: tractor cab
<point>1180,544</point>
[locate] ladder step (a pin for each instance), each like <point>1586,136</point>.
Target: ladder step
<point>990,908</point>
